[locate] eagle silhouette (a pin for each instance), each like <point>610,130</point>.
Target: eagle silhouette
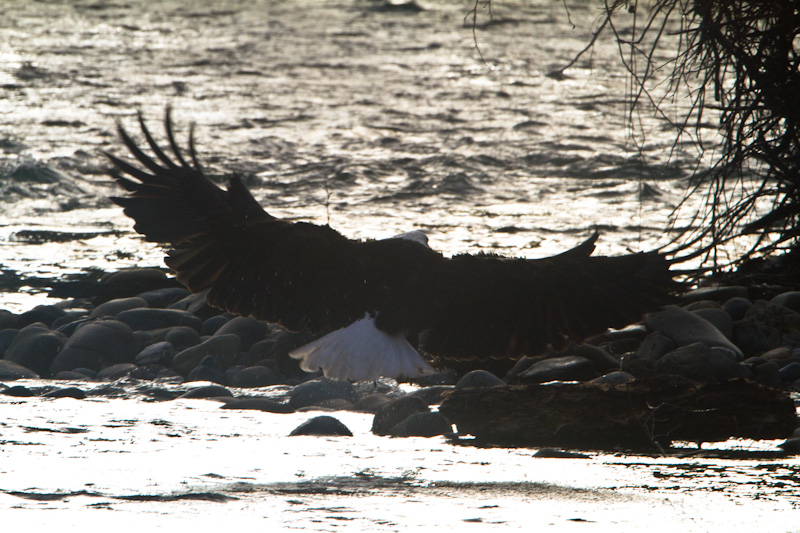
<point>368,298</point>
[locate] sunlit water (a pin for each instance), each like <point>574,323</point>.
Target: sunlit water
<point>377,121</point>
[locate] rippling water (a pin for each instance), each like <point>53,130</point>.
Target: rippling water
<point>378,120</point>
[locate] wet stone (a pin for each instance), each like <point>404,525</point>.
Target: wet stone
<point>18,391</point>
<point>10,371</point>
<point>96,345</point>
<point>147,319</point>
<point>618,377</point>
<point>115,372</point>
<point>395,412</point>
<point>35,347</point>
<point>718,293</point>
<point>259,404</point>
<point>224,347</point>
<point>426,424</point>
<point>254,376</point>
<point>702,363</point>
<point>8,320</point>
<point>790,372</point>
<point>112,308</point>
<point>206,391</point>
<point>46,314</point>
<point>566,368</point>
<point>737,307</point>
<point>719,318</point>
<point>766,373</point>
<point>68,392</point>
<point>371,403</point>
<point>655,346</point>
<point>248,329</point>
<point>212,325</point>
<point>70,375</point>
<point>432,395</point>
<point>481,379</point>
<point>789,300</point>
<point>209,369</point>
<point>68,323</point>
<point>182,337</point>
<point>315,391</point>
<point>159,298</point>
<point>322,426</point>
<point>600,358</point>
<point>159,353</point>
<point>685,328</point>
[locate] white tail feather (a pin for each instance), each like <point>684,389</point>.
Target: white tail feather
<point>362,352</point>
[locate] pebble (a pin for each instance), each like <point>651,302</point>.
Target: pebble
<point>322,426</point>
<point>159,353</point>
<point>18,391</point>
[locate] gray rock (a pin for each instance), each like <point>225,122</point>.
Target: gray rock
<point>182,337</point>
<point>767,326</point>
<point>68,323</point>
<point>655,346</point>
<point>638,366</point>
<point>96,345</point>
<point>566,368</point>
<point>158,298</point>
<point>789,300</point>
<point>767,373</point>
<point>46,314</point>
<point>259,404</point>
<point>115,372</point>
<point>112,308</point>
<point>432,395</point>
<point>479,379</point>
<point>322,426</point>
<point>422,425</point>
<point>602,360</point>
<point>6,337</point>
<point>212,325</point>
<point>68,392</point>
<point>71,375</point>
<point>35,347</point>
<point>159,353</point>
<point>395,412</point>
<point>790,372</point>
<point>8,320</point>
<point>719,318</point>
<point>147,319</point>
<point>248,329</point>
<point>209,369</point>
<point>699,362</point>
<point>371,403</point>
<point>224,347</point>
<point>18,391</point>
<point>254,376</point>
<point>685,328</point>
<point>737,307</point>
<point>197,305</point>
<point>618,377</point>
<point>315,391</point>
<point>718,293</point>
<point>10,371</point>
<point>207,391</point>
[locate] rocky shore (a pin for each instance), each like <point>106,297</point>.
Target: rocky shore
<point>138,326</point>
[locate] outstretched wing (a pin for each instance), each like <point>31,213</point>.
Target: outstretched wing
<point>486,306</point>
<point>298,274</point>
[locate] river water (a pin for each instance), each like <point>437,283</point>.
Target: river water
<point>377,119</point>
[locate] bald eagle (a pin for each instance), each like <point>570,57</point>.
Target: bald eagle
<point>367,298</point>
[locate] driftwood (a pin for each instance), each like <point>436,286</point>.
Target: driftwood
<point>642,414</point>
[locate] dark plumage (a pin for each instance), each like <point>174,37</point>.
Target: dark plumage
<point>311,277</point>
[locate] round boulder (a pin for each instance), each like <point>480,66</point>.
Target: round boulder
<point>96,345</point>
<point>322,426</point>
<point>35,347</point>
<point>318,390</point>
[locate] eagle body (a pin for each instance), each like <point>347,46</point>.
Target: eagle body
<point>367,297</point>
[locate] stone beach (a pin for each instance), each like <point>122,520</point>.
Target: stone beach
<point>166,335</point>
